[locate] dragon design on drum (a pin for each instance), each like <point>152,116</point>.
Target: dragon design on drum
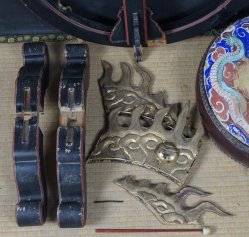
<point>236,101</point>
<point>226,83</point>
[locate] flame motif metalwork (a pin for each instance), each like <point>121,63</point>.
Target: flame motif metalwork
<point>145,131</point>
<point>123,94</point>
<point>169,207</point>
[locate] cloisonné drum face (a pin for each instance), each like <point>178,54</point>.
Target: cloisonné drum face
<point>223,90</point>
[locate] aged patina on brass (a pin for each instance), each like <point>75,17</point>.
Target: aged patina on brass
<point>143,130</point>
<point>169,207</point>
<point>146,131</point>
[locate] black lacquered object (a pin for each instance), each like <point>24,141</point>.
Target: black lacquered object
<point>71,177</point>
<point>111,22</point>
<point>28,157</point>
<point>18,24</point>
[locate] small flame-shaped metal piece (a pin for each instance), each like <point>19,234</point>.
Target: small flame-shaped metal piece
<point>169,207</point>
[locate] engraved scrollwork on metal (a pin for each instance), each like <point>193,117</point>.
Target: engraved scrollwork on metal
<point>146,131</point>
<point>123,93</point>
<point>169,207</point>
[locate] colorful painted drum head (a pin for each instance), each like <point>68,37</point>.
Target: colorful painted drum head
<point>223,90</point>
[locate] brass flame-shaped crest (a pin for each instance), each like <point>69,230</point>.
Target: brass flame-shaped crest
<point>143,130</point>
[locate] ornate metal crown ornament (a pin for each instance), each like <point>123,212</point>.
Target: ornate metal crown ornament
<point>143,130</point>
<point>169,207</point>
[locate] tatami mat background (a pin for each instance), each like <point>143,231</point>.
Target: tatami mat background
<point>173,68</point>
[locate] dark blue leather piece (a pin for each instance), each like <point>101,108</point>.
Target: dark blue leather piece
<point>29,167</point>
<point>71,212</point>
<point>16,19</point>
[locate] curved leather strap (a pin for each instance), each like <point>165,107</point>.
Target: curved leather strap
<point>71,138</point>
<point>28,139</point>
